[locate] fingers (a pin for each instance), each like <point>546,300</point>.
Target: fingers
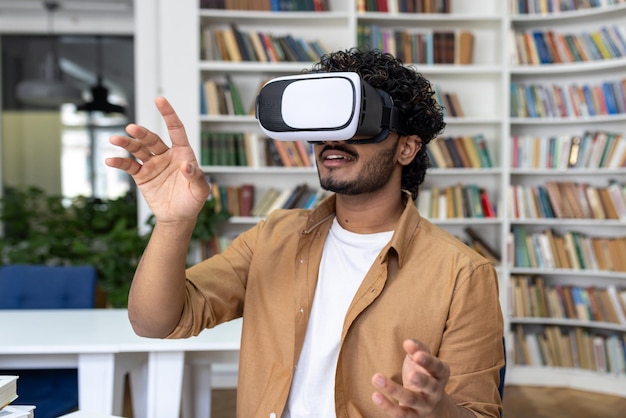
<point>133,146</point>
<point>424,377</point>
<point>144,143</point>
<point>420,354</point>
<point>175,127</point>
<point>130,166</point>
<point>403,404</point>
<point>151,143</point>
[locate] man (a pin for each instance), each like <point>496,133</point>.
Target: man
<point>358,308</point>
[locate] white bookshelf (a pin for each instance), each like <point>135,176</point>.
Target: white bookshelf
<point>564,74</point>
<point>168,63</point>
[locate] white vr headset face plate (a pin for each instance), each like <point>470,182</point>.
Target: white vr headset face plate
<point>307,104</point>
<point>319,107</point>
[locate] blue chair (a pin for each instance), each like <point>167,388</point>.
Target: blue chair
<point>502,372</point>
<point>53,392</point>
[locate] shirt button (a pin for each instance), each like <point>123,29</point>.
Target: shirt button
<point>273,415</point>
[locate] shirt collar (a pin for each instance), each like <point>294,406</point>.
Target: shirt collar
<point>402,236</point>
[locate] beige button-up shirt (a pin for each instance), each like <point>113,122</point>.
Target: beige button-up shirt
<point>425,284</point>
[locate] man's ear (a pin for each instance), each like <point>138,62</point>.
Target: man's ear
<point>408,148</point>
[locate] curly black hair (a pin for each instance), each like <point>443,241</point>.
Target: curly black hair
<point>411,93</point>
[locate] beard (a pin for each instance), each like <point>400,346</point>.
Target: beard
<point>374,175</point>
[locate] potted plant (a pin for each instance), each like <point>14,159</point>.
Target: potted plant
<point>52,230</point>
<point>206,233</point>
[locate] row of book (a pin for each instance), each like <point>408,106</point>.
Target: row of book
<point>555,6</point>
<point>8,395</point>
<point>419,46</point>
<point>538,47</point>
<point>404,6</point>
<point>455,201</point>
<point>221,97</point>
<point>476,241</point>
<point>450,102</point>
<point>247,149</point>
<point>554,101</point>
<point>231,44</point>
<point>267,5</point>
<point>572,250</point>
<point>243,200</point>
<point>534,297</point>
<point>301,196</point>
<point>225,148</point>
<point>236,200</point>
<point>567,200</point>
<point>592,149</point>
<point>460,152</point>
<point>571,347</point>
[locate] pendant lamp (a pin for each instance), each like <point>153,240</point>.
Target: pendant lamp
<point>50,90</point>
<point>100,94</point>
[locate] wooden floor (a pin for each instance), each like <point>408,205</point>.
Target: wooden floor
<point>519,402</point>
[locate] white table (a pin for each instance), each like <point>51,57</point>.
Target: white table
<point>103,346</point>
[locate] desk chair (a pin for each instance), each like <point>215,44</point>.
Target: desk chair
<point>53,392</point>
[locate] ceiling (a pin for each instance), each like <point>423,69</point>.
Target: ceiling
<point>78,30</point>
<point>34,7</point>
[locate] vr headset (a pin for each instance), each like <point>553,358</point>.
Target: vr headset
<point>317,107</point>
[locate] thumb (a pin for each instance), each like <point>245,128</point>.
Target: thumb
<point>196,178</point>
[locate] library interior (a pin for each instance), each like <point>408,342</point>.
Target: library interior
<point>529,172</point>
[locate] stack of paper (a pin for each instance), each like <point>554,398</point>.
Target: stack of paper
<point>8,394</point>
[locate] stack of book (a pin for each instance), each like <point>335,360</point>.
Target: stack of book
<point>399,6</point>
<point>570,250</point>
<point>567,200</point>
<point>592,149</point>
<point>453,47</point>
<point>460,152</point>
<point>575,100</point>
<point>573,347</point>
<point>8,394</point>
<point>548,47</point>
<point>301,196</point>
<point>232,44</point>
<point>267,5</point>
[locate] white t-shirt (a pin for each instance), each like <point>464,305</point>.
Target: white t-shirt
<point>346,259</point>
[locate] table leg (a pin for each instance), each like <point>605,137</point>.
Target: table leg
<point>165,379</point>
<point>96,382</point>
<point>197,390</point>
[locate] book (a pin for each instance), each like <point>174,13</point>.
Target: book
<point>17,411</point>
<point>464,51</point>
<point>483,247</point>
<point>483,151</point>
<point>295,196</point>
<point>8,389</point>
<point>280,200</point>
<point>261,207</point>
<point>462,151</point>
<point>231,45</point>
<point>285,152</point>
<point>246,199</point>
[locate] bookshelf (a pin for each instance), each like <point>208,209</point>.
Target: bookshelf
<point>547,347</point>
<point>172,60</point>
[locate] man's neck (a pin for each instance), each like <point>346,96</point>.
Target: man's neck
<point>369,213</point>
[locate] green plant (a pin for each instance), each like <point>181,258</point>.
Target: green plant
<point>206,230</point>
<point>52,230</point>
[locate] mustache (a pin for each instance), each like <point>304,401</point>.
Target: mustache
<point>338,147</point>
